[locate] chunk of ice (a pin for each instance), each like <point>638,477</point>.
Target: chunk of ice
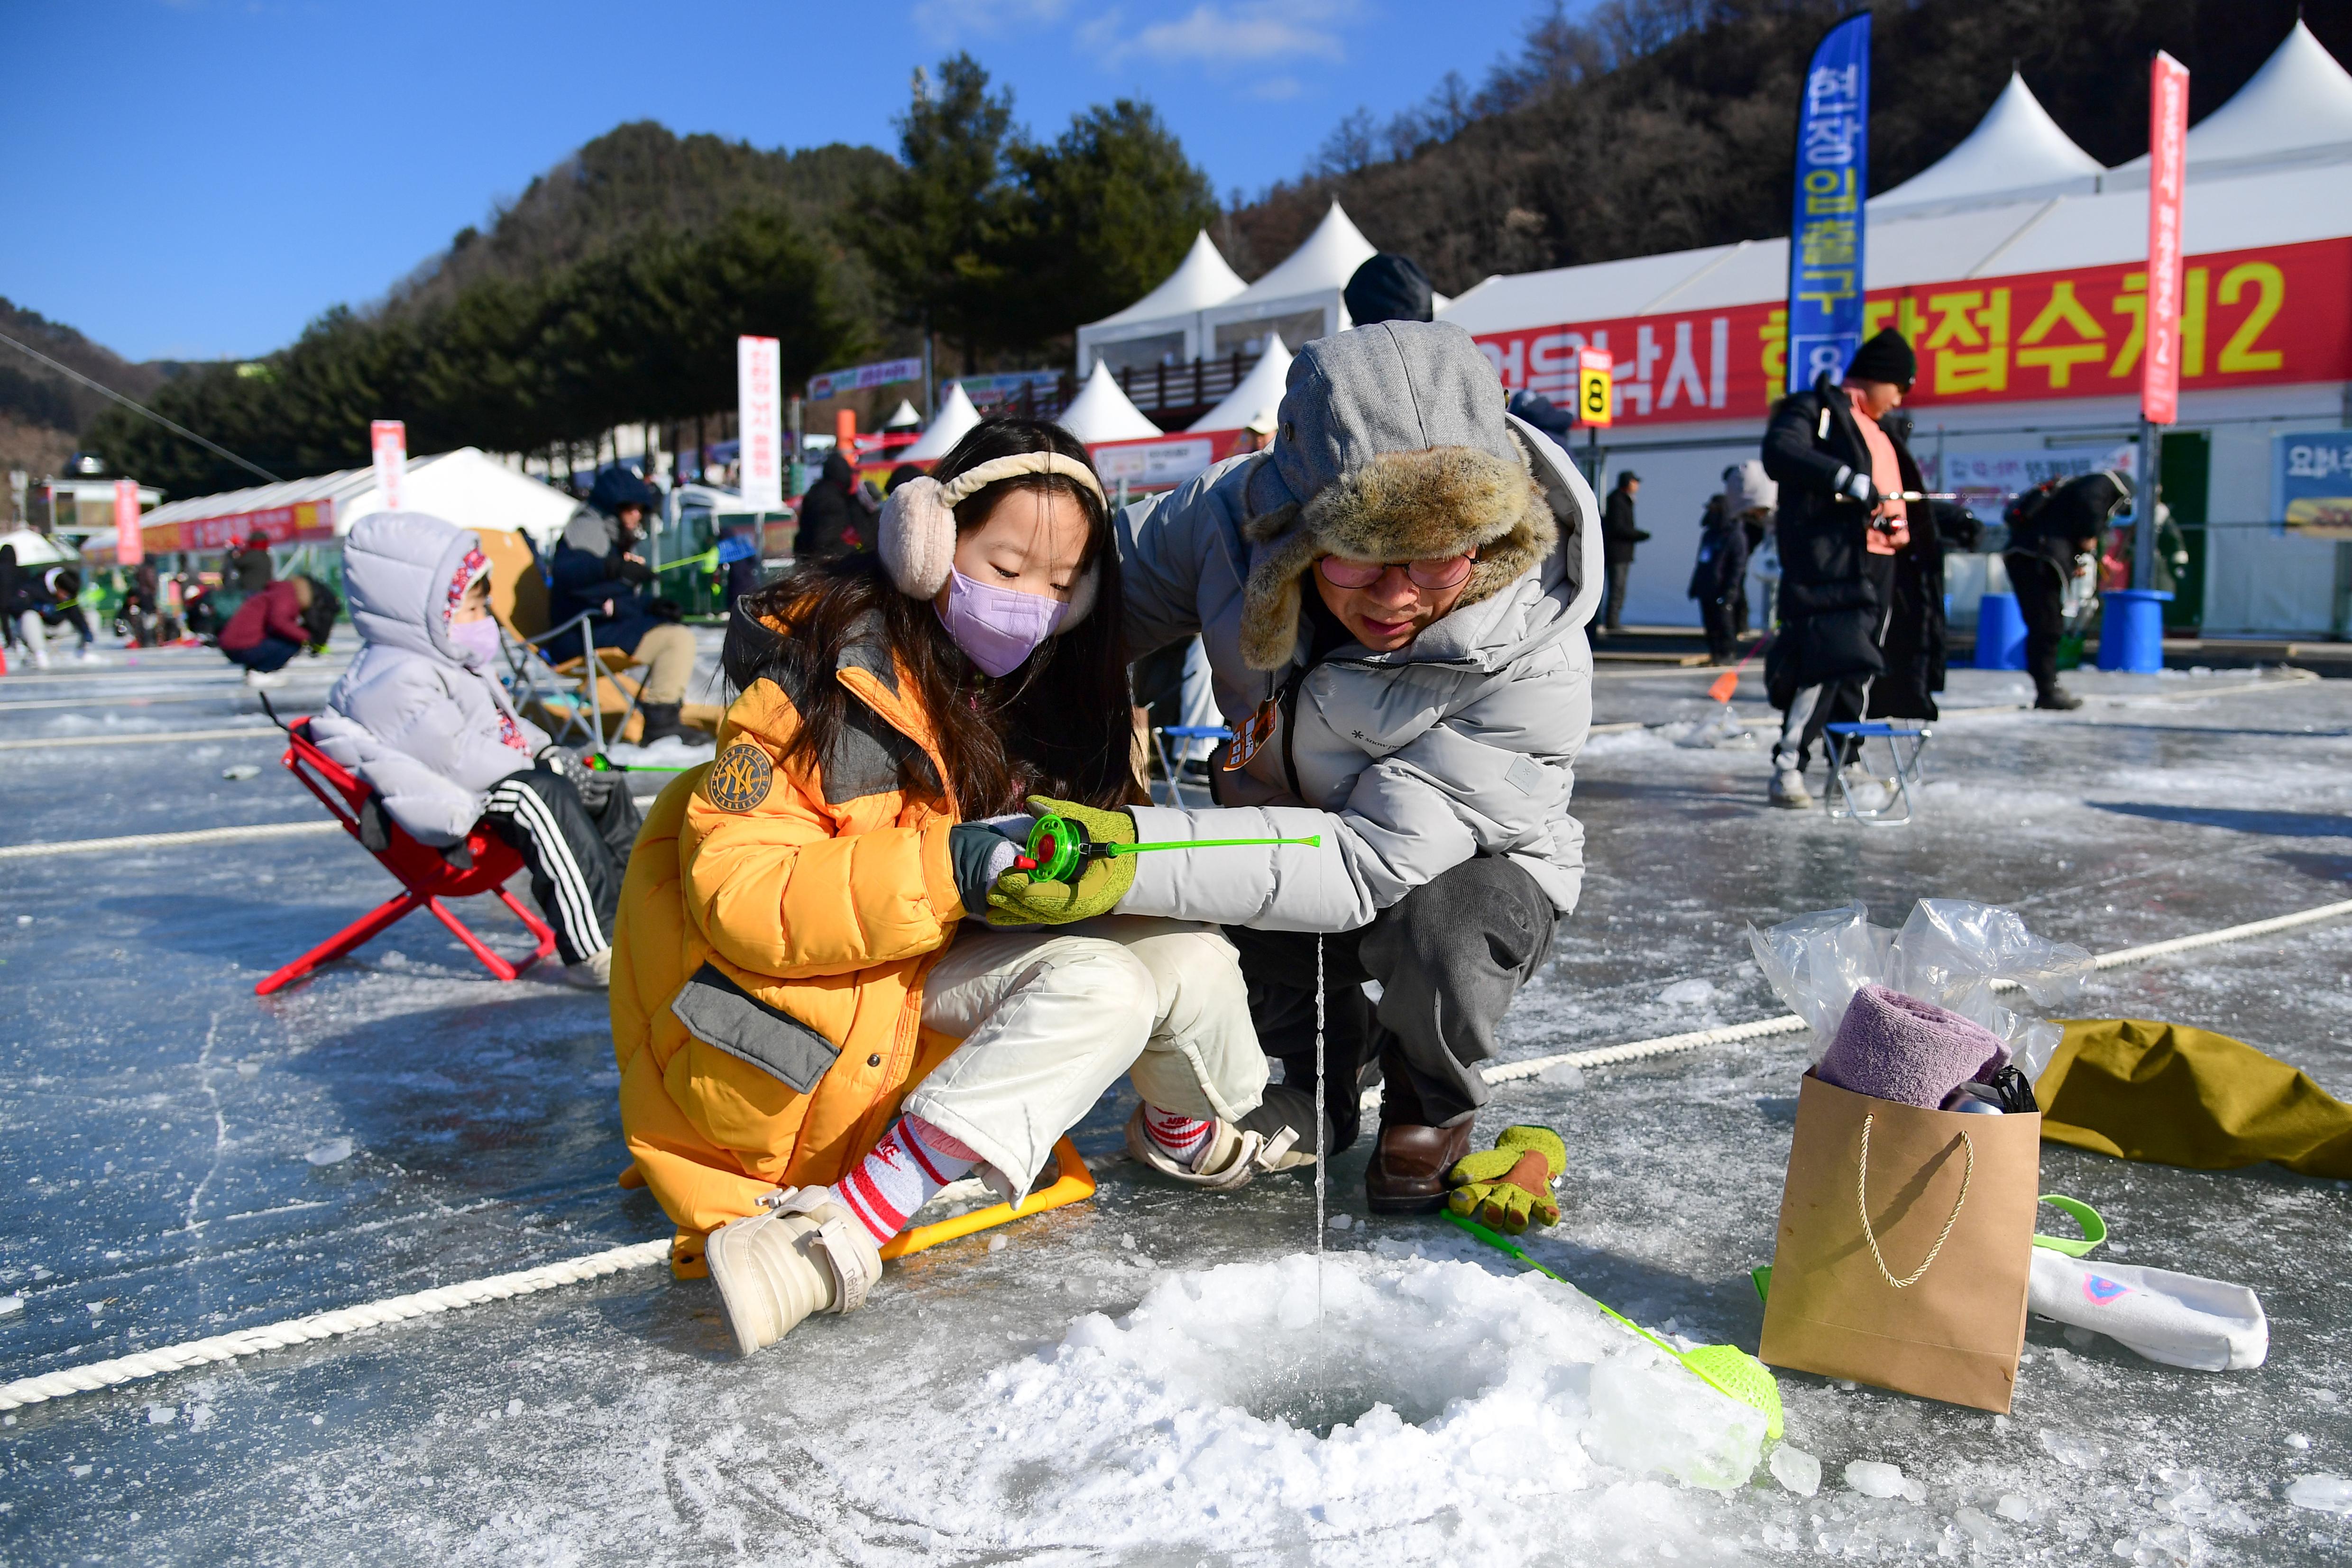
<point>2013,1507</point>
<point>2328,1494</point>
<point>1796,1469</point>
<point>1691,993</point>
<point>1562,1075</point>
<point>333,1152</point>
<point>1871,1479</point>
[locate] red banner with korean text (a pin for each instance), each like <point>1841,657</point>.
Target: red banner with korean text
<point>2275,315</point>
<point>305,522</point>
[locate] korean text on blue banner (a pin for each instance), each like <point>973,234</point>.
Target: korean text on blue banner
<point>888,373</point>
<point>1825,246</point>
<point>2311,483</point>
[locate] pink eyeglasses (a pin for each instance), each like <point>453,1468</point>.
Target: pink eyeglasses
<point>1448,571</point>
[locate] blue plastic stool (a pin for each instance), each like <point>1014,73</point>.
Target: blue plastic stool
<point>2001,633</point>
<point>2131,631</point>
<point>1838,801</point>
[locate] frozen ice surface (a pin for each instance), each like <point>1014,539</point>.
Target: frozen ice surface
<point>485,1139</point>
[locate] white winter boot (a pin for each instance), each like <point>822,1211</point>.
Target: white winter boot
<point>1228,1159</point>
<point>266,680</point>
<point>1789,789</point>
<point>593,973</point>
<point>806,1254</point>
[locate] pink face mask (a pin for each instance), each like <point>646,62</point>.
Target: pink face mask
<point>480,637</point>
<point>997,627</point>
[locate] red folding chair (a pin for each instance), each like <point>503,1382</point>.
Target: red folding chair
<point>425,873</point>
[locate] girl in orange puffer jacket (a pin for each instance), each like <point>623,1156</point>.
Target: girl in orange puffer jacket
<point>815,1031</point>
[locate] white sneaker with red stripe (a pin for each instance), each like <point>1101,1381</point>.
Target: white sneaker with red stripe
<point>1223,1157</point>
<point>805,1253</point>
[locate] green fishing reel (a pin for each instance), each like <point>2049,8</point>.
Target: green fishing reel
<point>1059,848</point>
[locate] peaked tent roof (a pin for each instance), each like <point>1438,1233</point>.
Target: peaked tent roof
<point>950,424</point>
<point>1259,390</point>
<point>1327,259</point>
<point>2016,150</point>
<point>1101,412</point>
<point>1202,279</point>
<point>902,417</point>
<point>2296,109</point>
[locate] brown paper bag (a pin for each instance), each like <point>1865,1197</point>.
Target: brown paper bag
<point>1936,1307</point>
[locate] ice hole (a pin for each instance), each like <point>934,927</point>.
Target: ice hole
<point>1443,1371</point>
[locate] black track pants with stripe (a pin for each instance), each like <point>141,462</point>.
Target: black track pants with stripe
<point>576,856</point>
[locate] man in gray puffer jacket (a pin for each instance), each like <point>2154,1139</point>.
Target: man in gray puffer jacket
<point>420,715</point>
<point>1393,600</point>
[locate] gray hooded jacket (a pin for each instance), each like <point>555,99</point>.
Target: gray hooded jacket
<point>416,716</point>
<point>1393,443</point>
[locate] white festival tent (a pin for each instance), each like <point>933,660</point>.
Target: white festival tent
<point>903,417</point>
<point>467,487</point>
<point>2016,152</point>
<point>1101,412</point>
<point>952,423</point>
<point>1164,326</point>
<point>2297,110</point>
<point>1300,299</point>
<point>1260,390</point>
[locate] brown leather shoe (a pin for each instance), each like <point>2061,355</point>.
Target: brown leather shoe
<point>1407,1173</point>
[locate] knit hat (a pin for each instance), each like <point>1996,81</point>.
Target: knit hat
<point>1885,358</point>
<point>1387,288</point>
<point>1392,446</point>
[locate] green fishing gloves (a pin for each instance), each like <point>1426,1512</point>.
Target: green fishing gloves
<point>1020,899</point>
<point>1508,1186</point>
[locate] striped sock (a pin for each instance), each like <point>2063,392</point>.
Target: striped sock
<point>913,1161</point>
<point>1178,1138</point>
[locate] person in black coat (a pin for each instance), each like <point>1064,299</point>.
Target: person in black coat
<point>1716,578</point>
<point>1841,525</point>
<point>1618,535</point>
<point>598,571</point>
<point>832,520</point>
<point>2048,526</point>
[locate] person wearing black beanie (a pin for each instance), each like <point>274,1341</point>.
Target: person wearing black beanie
<point>1387,288</point>
<point>1842,522</point>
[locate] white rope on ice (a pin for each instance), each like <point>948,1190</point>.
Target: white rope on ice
<point>1790,1023</point>
<point>194,836</point>
<point>165,841</point>
<point>250,732</point>
<point>644,1254</point>
<point>327,1325</point>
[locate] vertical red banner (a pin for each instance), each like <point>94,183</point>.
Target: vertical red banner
<point>2168,132</point>
<point>390,440</point>
<point>129,545</point>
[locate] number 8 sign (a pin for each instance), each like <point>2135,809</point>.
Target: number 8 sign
<point>1595,375</point>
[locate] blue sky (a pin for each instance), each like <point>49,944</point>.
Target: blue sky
<point>194,178</point>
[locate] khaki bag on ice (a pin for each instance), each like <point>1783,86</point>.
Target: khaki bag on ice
<point>1904,1247</point>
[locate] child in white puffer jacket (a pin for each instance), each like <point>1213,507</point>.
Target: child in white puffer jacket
<point>420,715</point>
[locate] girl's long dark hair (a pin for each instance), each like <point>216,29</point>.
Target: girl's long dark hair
<point>1058,725</point>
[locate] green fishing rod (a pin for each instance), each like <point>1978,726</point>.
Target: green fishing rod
<point>1059,848</point>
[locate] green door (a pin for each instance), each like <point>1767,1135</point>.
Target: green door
<point>2185,467</point>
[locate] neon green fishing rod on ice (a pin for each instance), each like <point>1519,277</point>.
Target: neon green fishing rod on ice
<point>1059,848</point>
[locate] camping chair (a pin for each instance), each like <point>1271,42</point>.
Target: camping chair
<point>557,677</point>
<point>1169,768</point>
<point>1905,750</point>
<point>427,875</point>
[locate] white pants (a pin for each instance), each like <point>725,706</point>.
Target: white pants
<point>1050,1018</point>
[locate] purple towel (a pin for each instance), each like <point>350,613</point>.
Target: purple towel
<point>1895,1047</point>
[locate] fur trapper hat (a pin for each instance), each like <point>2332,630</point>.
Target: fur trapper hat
<point>1392,446</point>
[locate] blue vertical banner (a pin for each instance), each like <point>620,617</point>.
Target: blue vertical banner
<point>1825,235</point>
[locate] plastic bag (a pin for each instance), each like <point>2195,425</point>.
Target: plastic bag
<point>1950,952</point>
